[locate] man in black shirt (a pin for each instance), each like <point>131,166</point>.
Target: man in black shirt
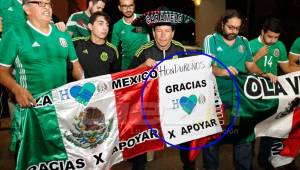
<point>96,55</point>
<point>161,47</point>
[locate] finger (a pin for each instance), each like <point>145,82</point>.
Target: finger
<point>32,101</point>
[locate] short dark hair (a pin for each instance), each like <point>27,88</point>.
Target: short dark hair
<point>230,13</point>
<point>95,15</point>
<point>272,24</point>
<point>95,1</point>
<point>160,24</point>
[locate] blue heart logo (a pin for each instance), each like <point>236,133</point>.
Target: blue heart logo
<point>83,94</point>
<point>188,103</point>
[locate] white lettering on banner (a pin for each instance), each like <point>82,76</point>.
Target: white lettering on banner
<point>59,165</point>
<point>137,139</point>
<point>130,81</point>
<point>258,87</point>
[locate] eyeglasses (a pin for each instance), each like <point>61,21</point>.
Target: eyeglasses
<point>127,6</point>
<point>41,4</point>
<point>231,27</point>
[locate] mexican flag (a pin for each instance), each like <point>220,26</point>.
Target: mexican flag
<point>285,123</point>
<point>273,109</point>
<point>97,122</point>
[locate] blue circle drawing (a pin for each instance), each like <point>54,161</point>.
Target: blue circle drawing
<point>230,125</point>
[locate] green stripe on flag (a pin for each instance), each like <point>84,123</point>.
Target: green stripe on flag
<point>41,139</point>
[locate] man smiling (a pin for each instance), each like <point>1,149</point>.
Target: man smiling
<point>38,51</point>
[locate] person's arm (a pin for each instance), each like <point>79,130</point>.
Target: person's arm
<point>71,26</point>
<point>115,65</point>
<point>9,48</point>
<point>22,96</point>
<point>77,72</point>
<point>260,53</point>
<point>253,68</point>
<point>115,39</point>
<point>294,59</point>
<point>294,54</point>
<point>288,67</point>
<point>217,71</point>
<point>284,62</point>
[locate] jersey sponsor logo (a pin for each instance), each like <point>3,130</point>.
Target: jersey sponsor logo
<point>85,51</point>
<point>89,128</point>
<point>219,49</point>
<point>276,52</point>
<point>241,48</point>
<point>36,44</point>
<point>63,42</point>
<point>104,56</point>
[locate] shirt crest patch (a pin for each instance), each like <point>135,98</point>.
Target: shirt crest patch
<point>104,56</point>
<point>276,52</point>
<point>241,48</point>
<point>63,42</point>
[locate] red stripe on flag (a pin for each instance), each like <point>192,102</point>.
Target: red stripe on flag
<point>292,143</point>
<point>128,106</point>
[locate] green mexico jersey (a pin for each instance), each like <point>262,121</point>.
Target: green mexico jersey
<point>39,59</point>
<point>78,24</point>
<point>277,54</point>
<point>295,49</point>
<point>129,38</point>
<point>12,14</point>
<point>236,55</point>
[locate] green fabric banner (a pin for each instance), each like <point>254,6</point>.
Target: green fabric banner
<point>251,111</point>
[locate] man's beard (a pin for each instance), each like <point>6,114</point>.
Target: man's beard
<point>229,36</point>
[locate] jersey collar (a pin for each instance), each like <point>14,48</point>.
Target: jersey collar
<point>33,27</point>
<point>134,16</point>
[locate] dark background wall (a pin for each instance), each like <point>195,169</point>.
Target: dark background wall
<point>255,11</point>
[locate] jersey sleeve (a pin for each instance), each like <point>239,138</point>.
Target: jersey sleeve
<point>295,49</point>
<point>249,55</point>
<point>71,26</point>
<point>283,58</point>
<point>115,65</point>
<point>209,45</point>
<point>72,53</point>
<point>138,59</point>
<point>115,39</point>
<point>9,47</point>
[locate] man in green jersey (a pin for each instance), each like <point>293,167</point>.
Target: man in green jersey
<point>232,50</point>
<point>38,51</point>
<point>126,35</point>
<point>269,52</point>
<point>77,23</point>
<point>294,54</point>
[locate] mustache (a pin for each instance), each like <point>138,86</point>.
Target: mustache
<point>230,36</point>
